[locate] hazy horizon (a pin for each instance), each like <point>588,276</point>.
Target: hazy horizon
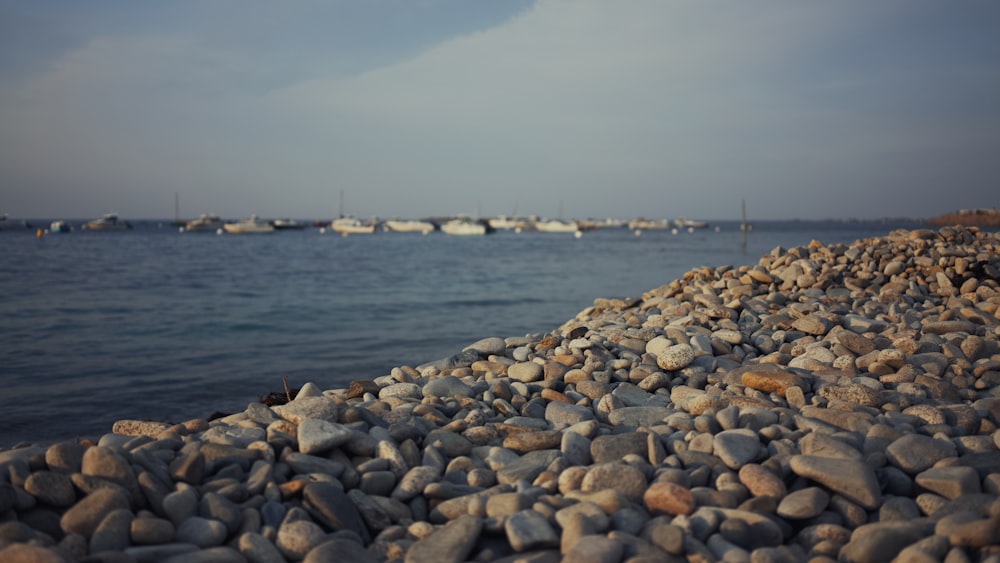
<point>640,108</point>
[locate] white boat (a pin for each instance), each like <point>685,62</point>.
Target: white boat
<point>648,224</point>
<point>110,222</point>
<point>690,224</point>
<point>504,223</point>
<point>463,226</point>
<point>59,227</point>
<point>352,226</point>
<point>557,226</point>
<point>409,226</point>
<point>252,225</point>
<point>204,223</point>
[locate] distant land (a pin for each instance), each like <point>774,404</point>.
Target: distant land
<point>968,218</point>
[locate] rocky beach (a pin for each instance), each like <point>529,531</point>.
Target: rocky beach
<point>828,403</point>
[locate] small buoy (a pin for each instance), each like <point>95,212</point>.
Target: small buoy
<point>690,229</point>
<point>322,230</point>
<point>219,231</point>
<point>180,229</point>
<point>39,233</point>
<point>578,234</point>
<point>638,232</point>
<point>517,230</point>
<point>673,231</point>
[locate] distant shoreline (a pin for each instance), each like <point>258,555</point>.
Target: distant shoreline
<point>968,218</point>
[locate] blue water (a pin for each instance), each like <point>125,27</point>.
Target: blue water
<point>159,325</point>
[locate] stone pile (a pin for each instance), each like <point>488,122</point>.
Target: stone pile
<point>829,403</point>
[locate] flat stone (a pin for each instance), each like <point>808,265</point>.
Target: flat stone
<point>180,505</point>
<point>668,498</point>
<point>871,543</point>
<point>526,372</point>
<point>856,343</point>
<point>527,467</point>
<point>507,504</point>
<point>151,531</point>
<point>189,467</point>
<point>317,435</point>
<point>65,457</point>
<point>812,324</point>
<point>615,475</point>
<point>106,463</point>
<point>320,408</point>
<point>84,516</point>
<point>49,487</point>
<point>639,416</point>
<point>612,447</point>
<point>803,503</point>
<point>401,391</point>
<point>914,453</point>
<point>676,357</point>
<point>736,447</point>
<point>950,482</point>
<point>945,327</point>
<point>446,386</point>
<point>113,533</point>
<point>523,442</point>
<point>770,381</point>
<point>490,346</point>
<point>558,412</point>
<point>967,529</point>
<point>306,463</point>
<point>235,436</point>
<point>414,482</point>
<point>451,543</point>
<point>331,506</point>
<point>202,532</point>
<point>296,539</point>
<point>761,482</point>
<point>528,530</point>
<point>215,506</point>
<point>853,479</point>
<point>575,449</point>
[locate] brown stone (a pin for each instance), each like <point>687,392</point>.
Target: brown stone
<point>530,441</point>
<point>772,381</point>
<point>761,482</point>
<point>668,498</point>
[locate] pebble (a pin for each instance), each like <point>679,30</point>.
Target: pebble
<point>853,479</point>
<point>827,403</point>
<point>803,504</point>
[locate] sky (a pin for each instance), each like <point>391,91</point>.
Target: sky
<point>557,108</point>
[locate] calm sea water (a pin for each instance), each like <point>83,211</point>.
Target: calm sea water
<point>160,325</point>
